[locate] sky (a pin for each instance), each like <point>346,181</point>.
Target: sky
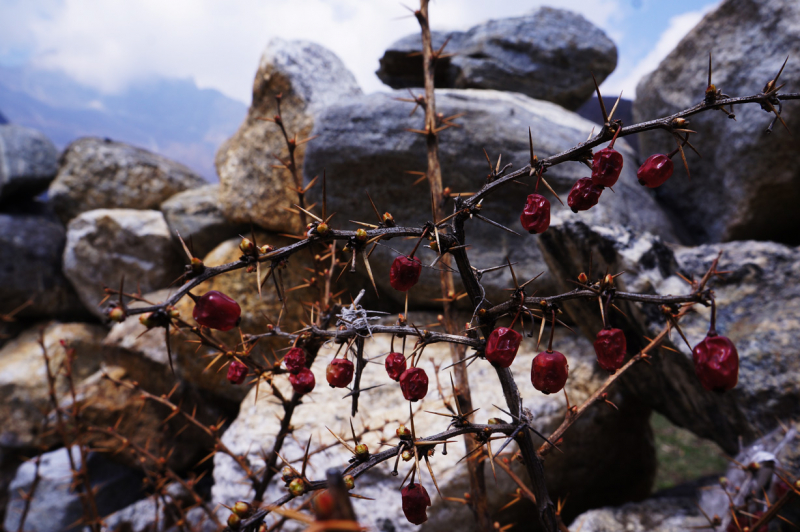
<point>111,45</point>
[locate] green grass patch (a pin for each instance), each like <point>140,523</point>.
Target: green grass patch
<point>682,456</point>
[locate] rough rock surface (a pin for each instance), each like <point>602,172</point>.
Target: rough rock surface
<point>28,162</point>
<point>607,455</point>
<point>677,509</point>
<point>55,505</point>
<point>197,215</point>
<point>364,147</point>
<point>547,55</point>
<point>143,515</point>
<point>149,351</point>
<point>32,244</point>
<point>105,244</point>
<point>758,308</point>
<point>101,174</point>
<point>747,184</point>
<point>310,78</point>
<point>23,376</point>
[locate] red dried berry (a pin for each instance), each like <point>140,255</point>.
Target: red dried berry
<point>303,381</point>
<point>502,346</point>
<point>395,365</point>
<point>324,505</point>
<point>655,171</point>
<point>414,384</point>
<point>535,217</point>
<point>404,273</point>
<point>549,372</point>
<point>295,360</point>
<point>415,503</point>
<point>606,167</point>
<point>339,373</point>
<point>215,310</point>
<point>584,195</point>
<point>610,347</point>
<point>716,363</point>
<point>236,372</point>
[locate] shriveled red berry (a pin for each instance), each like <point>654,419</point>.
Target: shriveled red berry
<point>324,505</point>
<point>395,365</point>
<point>339,373</point>
<point>716,363</point>
<point>295,360</point>
<point>414,384</point>
<point>236,372</point>
<point>215,310</point>
<point>655,171</point>
<point>535,217</point>
<point>415,503</point>
<point>303,381</point>
<point>549,372</point>
<point>502,346</point>
<point>610,346</point>
<point>584,195</point>
<point>606,167</point>
<point>404,273</point>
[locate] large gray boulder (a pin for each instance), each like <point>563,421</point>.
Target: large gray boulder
<point>758,308</point>
<point>105,244</point>
<point>30,267</point>
<point>548,54</point>
<point>56,504</point>
<point>364,146</point>
<point>608,454</point>
<point>28,162</point>
<point>102,174</point>
<point>310,78</point>
<point>196,215</point>
<point>747,184</point>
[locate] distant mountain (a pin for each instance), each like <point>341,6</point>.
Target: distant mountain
<point>172,117</point>
<point>3,119</point>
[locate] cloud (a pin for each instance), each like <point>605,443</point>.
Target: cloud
<point>679,25</point>
<point>112,45</point>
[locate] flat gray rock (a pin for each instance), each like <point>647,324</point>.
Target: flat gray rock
<point>364,146</point>
<point>28,162</point>
<point>105,244</point>
<point>196,215</point>
<point>747,184</point>
<point>548,54</point>
<point>102,174</point>
<point>30,266</point>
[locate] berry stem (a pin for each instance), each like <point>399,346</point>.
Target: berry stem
<point>519,309</point>
<point>424,233</point>
<point>614,139</point>
<point>552,332</point>
<point>712,328</point>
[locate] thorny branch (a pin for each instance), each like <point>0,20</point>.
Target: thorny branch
<point>449,233</point>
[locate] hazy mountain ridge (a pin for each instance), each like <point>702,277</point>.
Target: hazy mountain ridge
<point>172,117</point>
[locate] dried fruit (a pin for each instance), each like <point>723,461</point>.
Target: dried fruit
<point>295,360</point>
<point>716,361</point>
<point>303,381</point>
<point>655,171</point>
<point>535,217</point>
<point>549,371</point>
<point>415,503</point>
<point>395,365</point>
<point>339,373</point>
<point>324,505</point>
<point>502,346</point>
<point>584,195</point>
<point>414,384</point>
<point>607,164</point>
<point>404,273</point>
<point>610,346</point>
<point>237,372</point>
<point>215,310</point>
